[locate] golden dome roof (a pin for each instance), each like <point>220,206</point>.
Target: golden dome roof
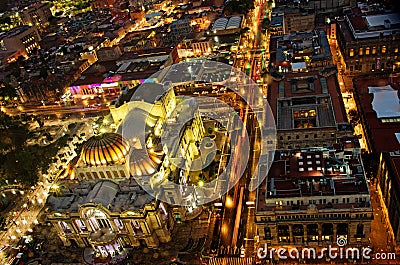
<point>105,149</point>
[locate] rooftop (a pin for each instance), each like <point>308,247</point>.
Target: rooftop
<point>308,173</point>
<point>14,32</point>
<point>381,132</point>
<point>105,149</point>
<point>227,23</point>
<point>300,47</point>
<point>358,26</point>
<point>314,98</point>
<point>386,102</point>
<point>127,195</point>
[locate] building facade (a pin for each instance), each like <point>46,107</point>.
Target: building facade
<point>387,183</point>
<point>299,21</point>
<point>108,217</point>
<point>321,6</point>
<point>21,40</point>
<point>369,43</point>
<point>315,198</point>
<point>37,15</point>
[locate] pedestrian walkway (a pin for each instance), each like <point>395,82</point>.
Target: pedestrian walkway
<point>380,239</point>
<point>231,261</point>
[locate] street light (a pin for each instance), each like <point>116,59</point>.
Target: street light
<point>229,202</point>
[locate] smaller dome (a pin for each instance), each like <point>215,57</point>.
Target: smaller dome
<point>144,162</point>
<point>105,149</point>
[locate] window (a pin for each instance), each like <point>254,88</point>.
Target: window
<point>351,53</point>
<point>373,50</point>
<point>361,51</point>
<point>81,225</point>
<point>396,50</point>
<point>367,51</point>
<point>383,50</point>
<point>136,228</point>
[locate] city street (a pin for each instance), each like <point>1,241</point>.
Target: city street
<point>237,228</point>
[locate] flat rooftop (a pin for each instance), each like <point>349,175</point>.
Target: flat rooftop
<point>307,96</point>
<point>381,135</point>
<point>357,26</point>
<point>309,173</point>
<point>301,46</point>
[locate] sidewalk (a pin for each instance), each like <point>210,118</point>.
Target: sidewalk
<point>380,239</point>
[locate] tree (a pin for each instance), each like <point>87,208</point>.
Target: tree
<point>7,91</point>
<point>21,165</point>
<point>265,23</point>
<point>354,117</point>
<point>371,163</point>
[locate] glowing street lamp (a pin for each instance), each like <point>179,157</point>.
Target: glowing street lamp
<point>229,202</point>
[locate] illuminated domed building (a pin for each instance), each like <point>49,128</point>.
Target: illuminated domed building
<point>110,156</point>
<point>103,157</point>
<point>100,203</point>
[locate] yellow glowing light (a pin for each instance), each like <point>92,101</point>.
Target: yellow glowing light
<point>228,202</point>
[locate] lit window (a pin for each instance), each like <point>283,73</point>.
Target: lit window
<point>383,49</point>
<point>351,54</point>
<point>396,50</point>
<point>373,50</point>
<point>367,51</point>
<point>361,51</point>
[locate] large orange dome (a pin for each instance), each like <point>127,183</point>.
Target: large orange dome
<point>105,149</point>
